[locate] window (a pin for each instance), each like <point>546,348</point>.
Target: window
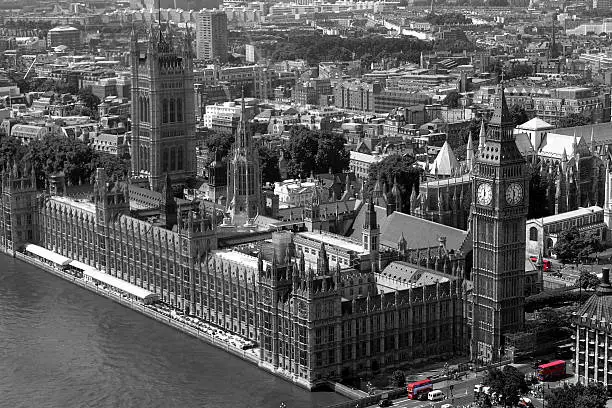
<point>165,111</point>
<point>165,160</point>
<point>180,158</point>
<point>172,111</point>
<point>533,234</point>
<point>173,159</point>
<point>179,110</point>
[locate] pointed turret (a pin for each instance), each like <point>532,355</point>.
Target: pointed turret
<point>501,114</point>
<point>469,154</point>
<point>168,206</point>
<point>322,261</point>
<point>482,137</point>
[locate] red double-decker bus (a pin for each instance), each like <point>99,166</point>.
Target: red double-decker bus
<point>418,390</point>
<point>551,371</point>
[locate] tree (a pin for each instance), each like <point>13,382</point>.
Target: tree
<point>452,99</point>
<point>219,142</point>
<point>571,247</point>
<point>587,280</point>
<point>519,115</point>
<point>397,379</point>
<point>578,396</point>
<point>88,98</point>
<point>315,151</point>
<point>573,119</point>
<point>509,382</point>
<point>269,165</point>
<point>396,168</point>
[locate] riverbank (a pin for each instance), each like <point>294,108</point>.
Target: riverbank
<point>203,331</point>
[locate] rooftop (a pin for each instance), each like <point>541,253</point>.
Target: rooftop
<point>237,257</point>
<point>83,204</point>
<point>333,240</point>
<point>572,214</point>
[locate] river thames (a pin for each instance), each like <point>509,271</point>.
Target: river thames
<point>63,346</point>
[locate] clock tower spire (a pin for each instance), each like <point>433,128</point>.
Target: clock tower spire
<point>499,209</point>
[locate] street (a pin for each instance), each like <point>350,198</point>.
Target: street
<point>463,391</point>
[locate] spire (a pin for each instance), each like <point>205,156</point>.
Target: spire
<point>370,216</point>
<point>482,137</point>
<point>575,144</point>
<point>469,161</point>
<point>592,141</point>
<point>501,114</point>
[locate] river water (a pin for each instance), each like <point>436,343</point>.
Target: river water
<point>63,346</point>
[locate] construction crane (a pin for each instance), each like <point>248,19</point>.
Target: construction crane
<point>31,65</point>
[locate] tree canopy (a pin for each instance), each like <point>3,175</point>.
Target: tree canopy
<point>587,280</point>
<point>572,246</point>
<point>452,99</point>
<point>509,382</point>
<point>269,165</point>
<point>53,154</point>
<point>578,396</point>
<point>315,152</point>
<point>317,47</point>
<point>400,168</point>
<point>574,119</point>
<point>519,115</point>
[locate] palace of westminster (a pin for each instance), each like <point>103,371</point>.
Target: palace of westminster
<point>343,289</point>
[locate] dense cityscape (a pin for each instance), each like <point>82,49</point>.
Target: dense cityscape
<point>407,203</point>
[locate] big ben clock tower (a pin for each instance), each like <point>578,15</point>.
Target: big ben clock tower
<point>499,208</point>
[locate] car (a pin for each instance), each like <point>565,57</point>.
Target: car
<point>447,406</point>
<point>385,403</point>
<point>525,402</point>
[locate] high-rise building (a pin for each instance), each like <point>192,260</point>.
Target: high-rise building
<point>163,114</point>
<point>499,207</point>
<point>211,35</point>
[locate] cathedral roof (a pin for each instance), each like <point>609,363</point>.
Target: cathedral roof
<point>602,132</point>
<point>535,124</point>
<point>553,145</point>
<point>523,143</point>
<point>446,163</point>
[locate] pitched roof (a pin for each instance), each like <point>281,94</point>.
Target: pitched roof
<point>535,124</point>
<point>446,162</point>
<point>418,232</point>
<point>501,114</point>
<point>602,132</point>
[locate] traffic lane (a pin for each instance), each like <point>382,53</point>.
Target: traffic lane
<point>463,393</point>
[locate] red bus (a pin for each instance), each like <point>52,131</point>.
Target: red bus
<point>546,265</point>
<point>418,390</point>
<point>551,371</point>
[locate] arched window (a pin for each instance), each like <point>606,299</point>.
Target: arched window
<point>533,234</point>
<point>172,111</point>
<point>165,160</point>
<point>173,159</point>
<point>180,158</point>
<point>141,108</point>
<point>147,110</point>
<point>179,110</point>
<point>165,111</point>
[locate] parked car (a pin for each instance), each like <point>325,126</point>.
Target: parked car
<point>385,403</point>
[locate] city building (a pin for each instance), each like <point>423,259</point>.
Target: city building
<point>593,336</point>
<point>163,114</point>
<point>64,35</point>
<point>211,35</point>
<point>500,190</point>
<point>543,233</point>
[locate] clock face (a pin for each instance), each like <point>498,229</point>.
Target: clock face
<point>484,194</point>
<point>514,193</point>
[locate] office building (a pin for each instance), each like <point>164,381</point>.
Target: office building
<point>211,35</point>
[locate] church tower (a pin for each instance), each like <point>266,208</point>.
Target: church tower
<point>499,209</point>
<point>163,116</point>
<point>371,234</point>
<point>244,178</point>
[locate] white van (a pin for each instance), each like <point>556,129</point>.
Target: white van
<point>435,395</point>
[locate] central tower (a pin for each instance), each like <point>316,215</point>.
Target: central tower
<point>163,116</point>
<point>499,209</point>
<point>243,178</point>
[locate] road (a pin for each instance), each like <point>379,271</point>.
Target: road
<point>463,392</point>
